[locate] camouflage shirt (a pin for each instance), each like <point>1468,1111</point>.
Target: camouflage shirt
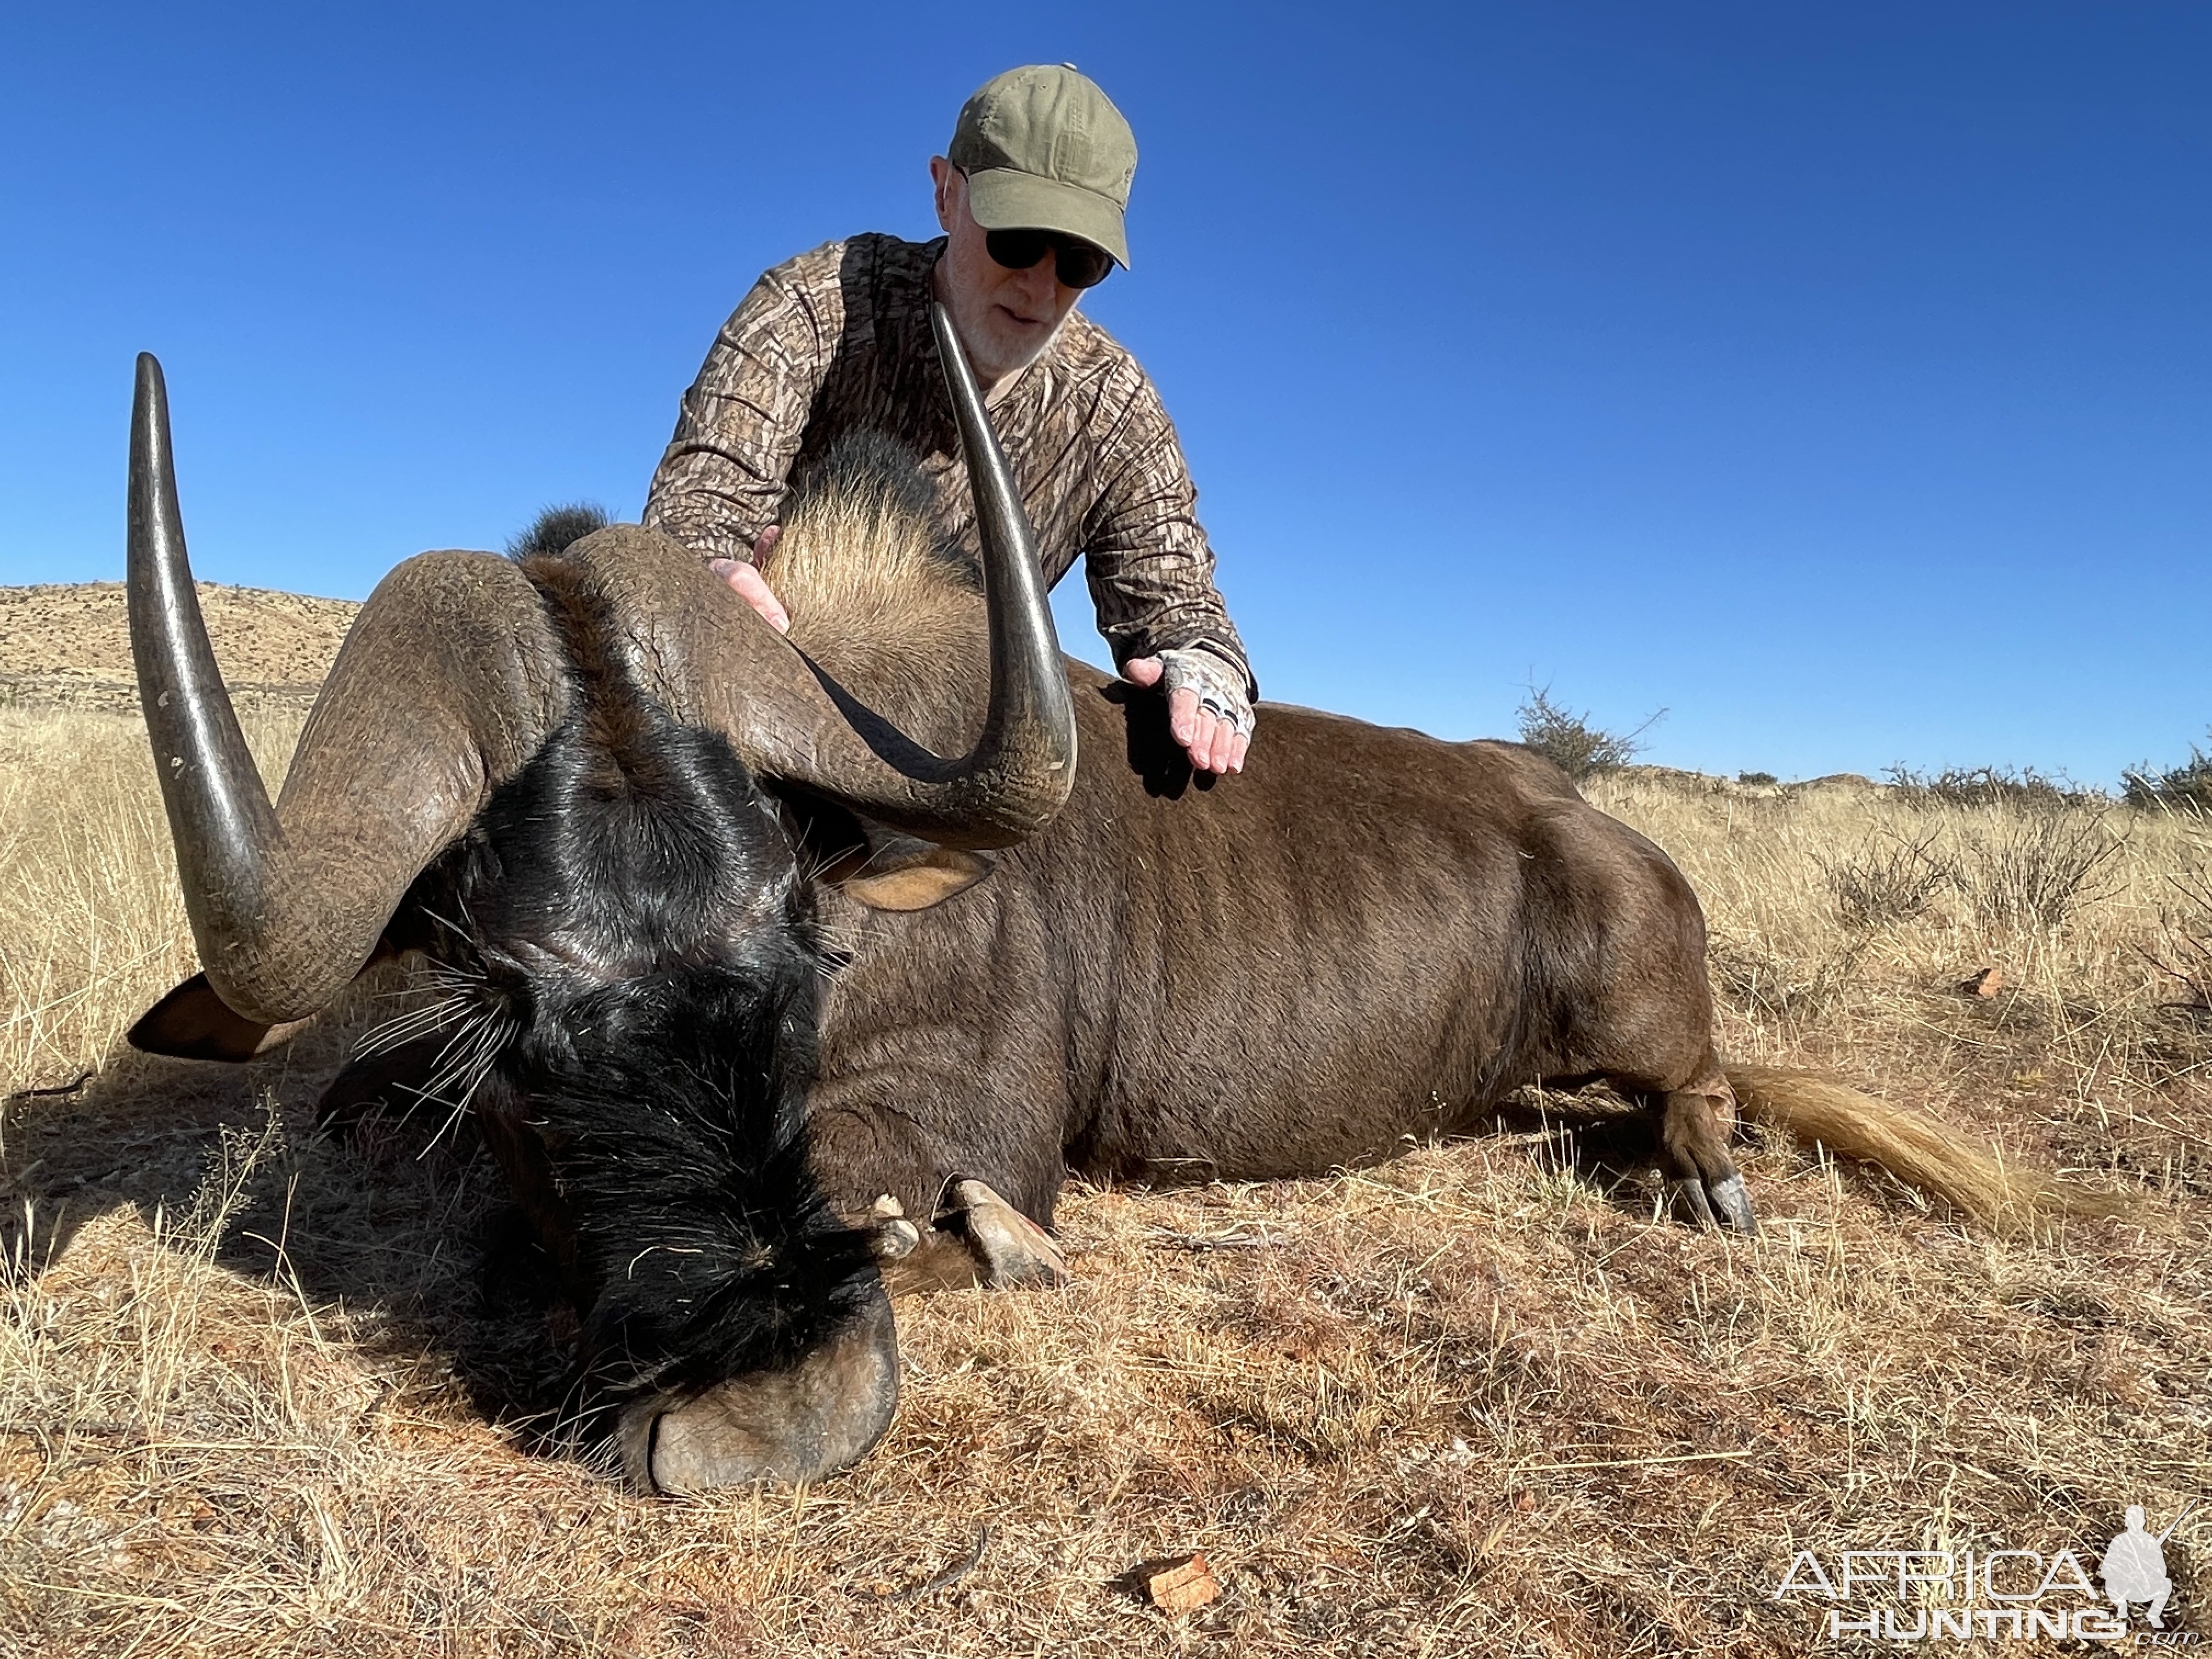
<point>838,340</point>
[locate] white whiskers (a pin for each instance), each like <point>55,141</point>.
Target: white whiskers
<point>463,1063</point>
<point>467,1056</point>
<point>416,1022</point>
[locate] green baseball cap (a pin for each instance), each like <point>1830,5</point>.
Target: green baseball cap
<point>1044,149</point>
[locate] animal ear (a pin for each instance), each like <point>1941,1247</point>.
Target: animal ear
<point>898,872</point>
<point>193,1022</point>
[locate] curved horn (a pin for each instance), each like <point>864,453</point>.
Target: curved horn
<point>1028,725</point>
<point>1022,765</point>
<point>219,817</point>
<point>447,683</point>
<point>711,658</point>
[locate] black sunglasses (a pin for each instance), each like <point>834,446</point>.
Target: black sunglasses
<point>1078,263</point>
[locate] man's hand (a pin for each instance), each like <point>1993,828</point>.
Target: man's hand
<point>747,581</point>
<point>1207,716</point>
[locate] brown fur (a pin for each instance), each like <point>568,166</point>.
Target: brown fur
<point>1371,935</point>
<point>906,608</point>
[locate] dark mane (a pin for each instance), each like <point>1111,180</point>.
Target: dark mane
<point>680,1147</point>
<point>627,905</point>
<point>555,527</point>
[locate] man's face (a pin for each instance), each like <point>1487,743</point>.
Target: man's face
<point>1004,318</point>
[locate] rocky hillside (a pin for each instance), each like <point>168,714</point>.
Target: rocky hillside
<point>70,644</point>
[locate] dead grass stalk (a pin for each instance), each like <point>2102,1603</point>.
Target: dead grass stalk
<point>258,1390</point>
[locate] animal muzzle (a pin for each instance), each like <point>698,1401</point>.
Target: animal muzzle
<point>779,1427</point>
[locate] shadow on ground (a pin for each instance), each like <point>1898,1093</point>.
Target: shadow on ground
<point>400,1220</point>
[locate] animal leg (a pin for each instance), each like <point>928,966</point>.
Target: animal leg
<point>1009,1248</point>
<point>1702,1178</point>
<point>976,1238</point>
<point>891,1172</point>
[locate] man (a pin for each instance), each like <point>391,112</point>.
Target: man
<point>2134,1568</point>
<point>1030,193</point>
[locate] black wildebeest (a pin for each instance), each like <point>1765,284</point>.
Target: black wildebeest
<point>1371,935</point>
<point>632,823</point>
<point>547,776</point>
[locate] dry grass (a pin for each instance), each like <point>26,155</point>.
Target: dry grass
<point>256,1398</point>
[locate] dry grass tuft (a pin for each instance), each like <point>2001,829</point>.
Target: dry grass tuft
<point>264,1393</point>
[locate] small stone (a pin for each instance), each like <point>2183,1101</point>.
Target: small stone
<point>1983,983</point>
<point>1183,1584</point>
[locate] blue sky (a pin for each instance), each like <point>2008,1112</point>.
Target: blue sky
<point>1838,379</point>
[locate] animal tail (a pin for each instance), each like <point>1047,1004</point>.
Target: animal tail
<point>1913,1147</point>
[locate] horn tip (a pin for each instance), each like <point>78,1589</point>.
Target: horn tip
<point>152,390</point>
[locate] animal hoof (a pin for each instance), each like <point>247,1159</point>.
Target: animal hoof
<point>894,1240</point>
<point>1690,1203</point>
<point>1733,1203</point>
<point>1010,1249</point>
<point>891,1237</point>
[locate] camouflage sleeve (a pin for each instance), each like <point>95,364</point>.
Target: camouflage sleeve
<point>1145,556</point>
<point>721,479</point>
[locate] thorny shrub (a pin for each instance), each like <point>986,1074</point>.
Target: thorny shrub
<point>2187,787</point>
<point>1988,785</point>
<point>1887,880</point>
<point>2184,954</point>
<point>1571,743</point>
<point>2038,869</point>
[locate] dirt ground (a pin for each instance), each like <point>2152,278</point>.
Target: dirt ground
<point>262,1391</point>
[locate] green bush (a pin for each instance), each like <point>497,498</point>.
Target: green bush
<point>1990,786</point>
<point>2187,787</point>
<point>1571,743</point>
